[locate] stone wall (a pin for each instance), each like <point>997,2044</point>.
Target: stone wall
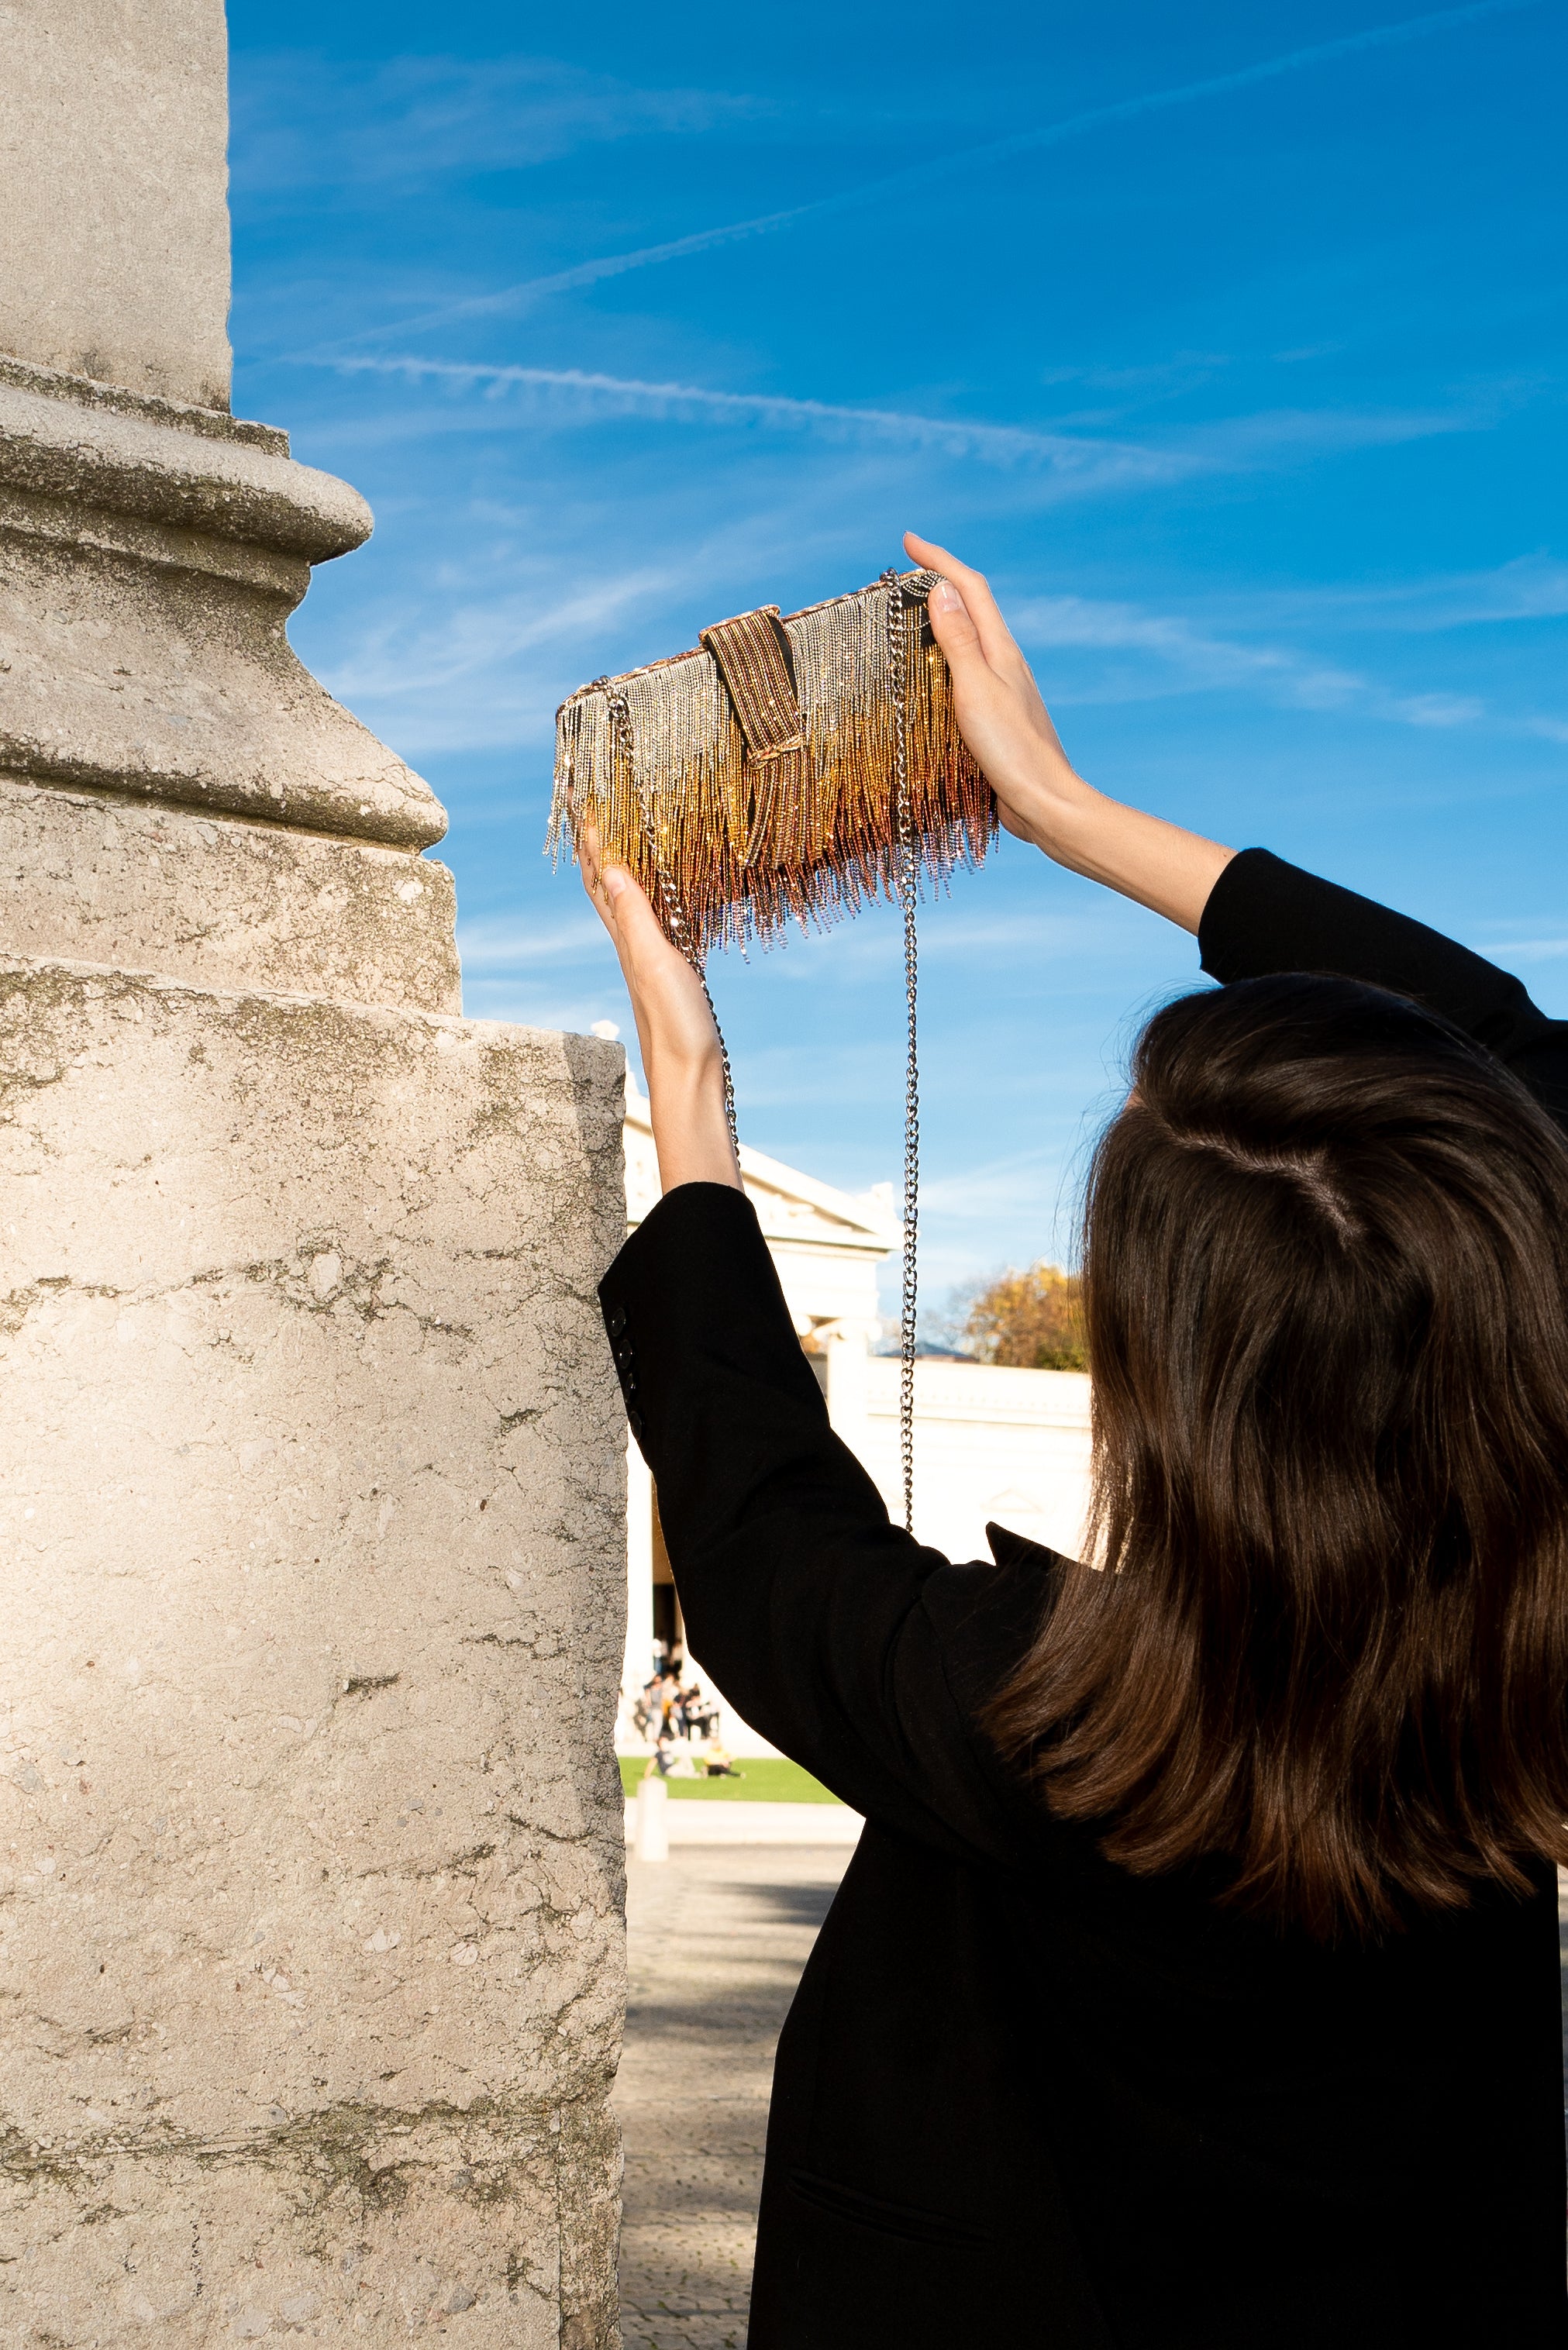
<point>113,175</point>
<point>312,1481</point>
<point>311,1964</point>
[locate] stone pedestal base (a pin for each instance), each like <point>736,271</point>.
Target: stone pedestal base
<point>87,877</point>
<point>311,1515</point>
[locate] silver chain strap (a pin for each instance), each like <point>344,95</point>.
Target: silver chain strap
<point>909,851</point>
<point>909,867</point>
<point>675,922</point>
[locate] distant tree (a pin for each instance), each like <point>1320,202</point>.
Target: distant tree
<point>1030,1321</point>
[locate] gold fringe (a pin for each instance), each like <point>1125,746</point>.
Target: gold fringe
<point>806,834</point>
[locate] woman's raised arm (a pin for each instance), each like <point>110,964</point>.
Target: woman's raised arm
<point>1039,794</point>
<point>682,1058</point>
<point>1041,798</point>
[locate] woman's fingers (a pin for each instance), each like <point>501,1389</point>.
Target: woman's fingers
<point>995,638</point>
<point>623,905</point>
<point>683,1058</point>
<point>635,924</point>
<point>996,702</point>
<point>667,999</point>
<point>590,866</point>
<point>604,886</point>
<point>955,630</point>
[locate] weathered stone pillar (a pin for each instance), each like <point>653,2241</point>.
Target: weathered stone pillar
<point>312,1473</point>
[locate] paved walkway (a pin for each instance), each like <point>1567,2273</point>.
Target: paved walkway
<point>718,1938</point>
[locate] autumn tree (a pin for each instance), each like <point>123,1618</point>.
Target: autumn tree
<point>1030,1321</point>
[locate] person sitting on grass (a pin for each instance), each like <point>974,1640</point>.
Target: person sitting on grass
<point>671,1758</point>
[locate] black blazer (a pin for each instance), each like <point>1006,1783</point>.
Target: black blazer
<point>1024,2097</point>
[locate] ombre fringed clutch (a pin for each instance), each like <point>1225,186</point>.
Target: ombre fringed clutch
<point>789,766</point>
<point>754,778</point>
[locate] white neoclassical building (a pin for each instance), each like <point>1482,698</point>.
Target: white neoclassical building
<point>990,1444</point>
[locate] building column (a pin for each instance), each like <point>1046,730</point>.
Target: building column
<point>311,1494</point>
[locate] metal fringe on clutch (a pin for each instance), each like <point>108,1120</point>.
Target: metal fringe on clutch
<point>750,780</point>
<point>790,767</point>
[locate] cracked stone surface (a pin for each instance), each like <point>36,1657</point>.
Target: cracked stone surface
<point>717,1939</point>
<point>312,1503</point>
<point>89,878</point>
<point>312,1510</point>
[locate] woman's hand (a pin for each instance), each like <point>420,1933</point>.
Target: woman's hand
<point>1039,796</point>
<point>680,1054</point>
<point>999,708</point>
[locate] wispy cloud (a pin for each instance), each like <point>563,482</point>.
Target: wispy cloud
<point>918,178</point>
<point>1438,710</point>
<point>1237,444</point>
<point>474,652</point>
<point>1529,587</point>
<point>487,667</point>
<point>1170,654</point>
<point>394,661</point>
<point>302,120</point>
<point>982,1195</point>
<point>1180,373</point>
<point>1093,463</point>
<point>512,300</point>
<point>1074,464</point>
<point>501,946</point>
<point>1225,644</point>
<point>1193,659</point>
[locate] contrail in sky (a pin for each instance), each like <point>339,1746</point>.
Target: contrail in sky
<point>917,177</point>
<point>1089,461</point>
<point>1079,463</point>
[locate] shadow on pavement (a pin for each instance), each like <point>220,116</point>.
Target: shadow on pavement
<point>717,1939</point>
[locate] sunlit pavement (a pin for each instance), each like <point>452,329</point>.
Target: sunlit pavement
<point>718,1938</point>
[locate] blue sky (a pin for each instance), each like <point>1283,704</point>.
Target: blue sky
<point>1228,341</point>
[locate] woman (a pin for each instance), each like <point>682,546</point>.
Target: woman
<point>1195,1980</point>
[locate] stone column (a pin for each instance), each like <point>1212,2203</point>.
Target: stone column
<point>312,1477</point>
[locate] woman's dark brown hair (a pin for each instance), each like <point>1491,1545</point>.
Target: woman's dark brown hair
<point>1326,1286</point>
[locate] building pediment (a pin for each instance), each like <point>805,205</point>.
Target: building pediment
<point>794,1208</point>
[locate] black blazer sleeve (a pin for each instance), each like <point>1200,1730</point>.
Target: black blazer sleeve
<point>854,1650</point>
<point>1264,916</point>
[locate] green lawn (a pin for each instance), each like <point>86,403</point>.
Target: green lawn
<point>766,1780</point>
